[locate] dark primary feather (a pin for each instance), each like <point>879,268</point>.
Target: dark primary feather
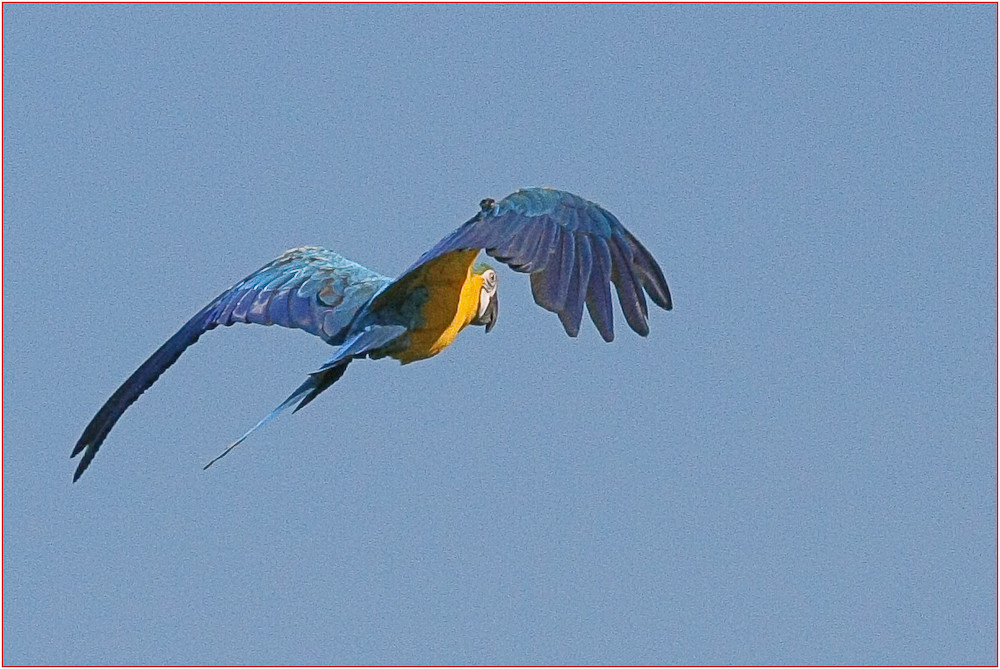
<point>309,288</point>
<point>573,249</point>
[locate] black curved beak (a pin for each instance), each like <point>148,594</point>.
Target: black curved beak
<point>492,311</point>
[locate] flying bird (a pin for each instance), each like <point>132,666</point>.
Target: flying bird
<point>572,249</point>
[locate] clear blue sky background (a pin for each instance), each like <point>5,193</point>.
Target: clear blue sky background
<point>798,465</point>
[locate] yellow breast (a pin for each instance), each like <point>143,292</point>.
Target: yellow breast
<point>452,303</point>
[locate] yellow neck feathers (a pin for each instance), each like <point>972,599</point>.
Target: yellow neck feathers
<point>453,301</point>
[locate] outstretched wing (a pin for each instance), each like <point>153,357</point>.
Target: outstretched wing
<point>309,288</point>
<point>573,249</point>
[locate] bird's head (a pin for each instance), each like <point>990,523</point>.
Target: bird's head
<point>489,301</point>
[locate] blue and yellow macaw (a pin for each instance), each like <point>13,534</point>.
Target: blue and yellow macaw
<point>572,249</point>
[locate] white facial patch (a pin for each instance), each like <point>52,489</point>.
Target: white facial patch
<point>487,292</point>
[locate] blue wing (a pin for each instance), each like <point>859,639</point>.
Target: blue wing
<point>309,288</point>
<point>573,249</point>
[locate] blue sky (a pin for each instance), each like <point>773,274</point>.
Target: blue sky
<point>798,465</point>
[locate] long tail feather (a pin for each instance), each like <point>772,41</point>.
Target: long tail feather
<point>307,392</point>
<point>360,344</point>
